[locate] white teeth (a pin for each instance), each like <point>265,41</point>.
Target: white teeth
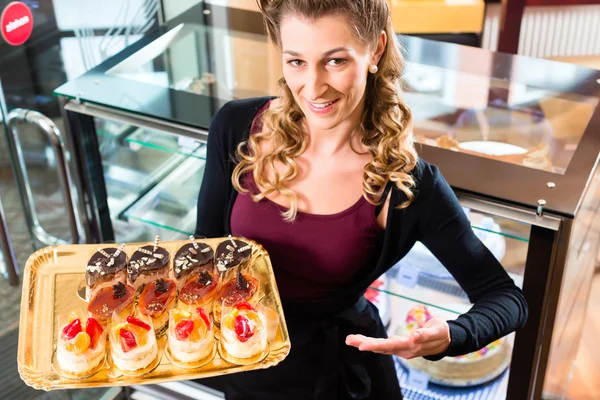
<point>322,105</point>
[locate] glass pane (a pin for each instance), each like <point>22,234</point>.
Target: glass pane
<point>506,121</point>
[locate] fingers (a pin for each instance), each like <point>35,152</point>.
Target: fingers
<point>433,330</point>
<point>378,345</point>
<point>398,345</point>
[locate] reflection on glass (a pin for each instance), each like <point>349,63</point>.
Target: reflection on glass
<point>474,114</point>
<point>492,118</point>
<point>204,60</point>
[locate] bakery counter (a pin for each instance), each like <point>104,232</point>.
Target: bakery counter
<point>515,137</point>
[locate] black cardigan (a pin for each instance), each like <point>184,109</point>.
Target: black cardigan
<point>435,218</point>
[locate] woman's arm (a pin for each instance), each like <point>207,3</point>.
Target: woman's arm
<point>499,306</point>
<point>215,188</point>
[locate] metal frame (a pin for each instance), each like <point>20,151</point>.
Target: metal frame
<point>8,253</point>
<point>51,131</point>
<point>90,178</point>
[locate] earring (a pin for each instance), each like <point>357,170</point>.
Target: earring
<point>373,68</point>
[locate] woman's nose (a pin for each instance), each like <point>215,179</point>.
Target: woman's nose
<point>316,84</point>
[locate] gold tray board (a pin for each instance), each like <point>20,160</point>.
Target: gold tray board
<point>51,279</point>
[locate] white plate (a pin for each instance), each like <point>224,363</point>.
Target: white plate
<point>492,148</point>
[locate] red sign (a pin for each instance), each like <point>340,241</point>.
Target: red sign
<point>16,23</point>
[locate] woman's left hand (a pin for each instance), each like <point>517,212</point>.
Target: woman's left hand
<point>433,338</point>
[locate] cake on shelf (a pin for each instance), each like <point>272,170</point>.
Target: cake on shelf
<point>470,369</point>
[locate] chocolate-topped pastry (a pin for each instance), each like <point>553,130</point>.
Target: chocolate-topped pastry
<point>105,268</point>
<point>155,301</point>
<point>147,264</point>
<point>231,253</point>
<point>118,298</point>
<point>243,287</point>
<point>199,291</point>
<point>191,259</point>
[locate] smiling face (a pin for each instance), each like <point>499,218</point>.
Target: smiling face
<point>326,66</point>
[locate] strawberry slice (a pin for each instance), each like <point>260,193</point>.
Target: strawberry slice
<point>127,340</point>
<point>134,321</point>
<point>94,330</point>
<point>183,329</point>
<point>242,328</point>
<point>72,329</point>
<point>204,317</point>
<point>244,305</point>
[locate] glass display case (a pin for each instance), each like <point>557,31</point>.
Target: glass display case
<point>515,137</point>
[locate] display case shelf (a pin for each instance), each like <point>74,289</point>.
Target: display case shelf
<point>171,204</point>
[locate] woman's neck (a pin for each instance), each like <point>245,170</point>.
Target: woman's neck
<point>332,141</point>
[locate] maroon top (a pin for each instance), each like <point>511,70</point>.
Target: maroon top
<point>314,255</point>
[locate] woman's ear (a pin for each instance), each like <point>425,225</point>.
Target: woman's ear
<point>381,43</point>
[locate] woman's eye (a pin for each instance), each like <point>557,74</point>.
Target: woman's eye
<point>336,62</point>
<point>295,63</point>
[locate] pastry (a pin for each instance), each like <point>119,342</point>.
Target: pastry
<point>191,259</point>
<point>105,268</point>
<point>156,299</point>
<point>231,253</point>
<point>81,346</point>
<point>147,264</point>
<point>133,344</point>
<point>242,288</point>
<point>199,291</point>
<point>190,335</point>
<point>108,300</point>
<point>243,333</point>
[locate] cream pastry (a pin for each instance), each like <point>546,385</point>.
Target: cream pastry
<point>190,335</point>
<point>81,346</point>
<point>243,333</point>
<point>133,344</point>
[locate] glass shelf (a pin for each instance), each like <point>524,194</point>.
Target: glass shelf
<point>171,204</point>
<point>156,140</point>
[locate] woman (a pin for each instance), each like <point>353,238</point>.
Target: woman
<point>326,178</point>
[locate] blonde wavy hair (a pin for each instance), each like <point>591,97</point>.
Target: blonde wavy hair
<point>384,119</point>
